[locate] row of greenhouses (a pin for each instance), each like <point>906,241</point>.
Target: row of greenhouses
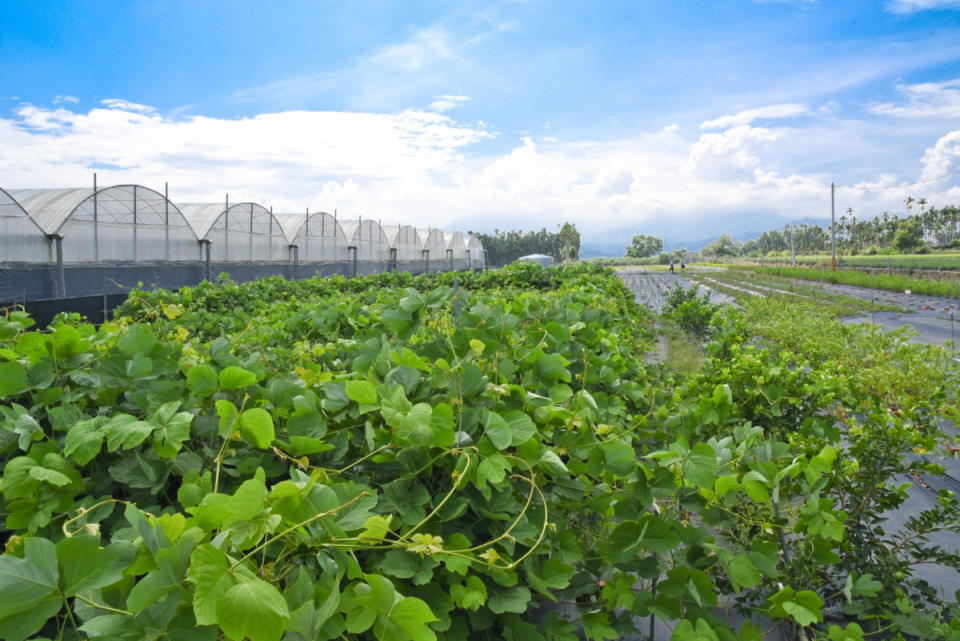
<point>56,243</point>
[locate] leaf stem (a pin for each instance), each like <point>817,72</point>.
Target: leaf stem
<point>290,529</point>
<point>440,505</point>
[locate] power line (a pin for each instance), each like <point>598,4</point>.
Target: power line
<point>902,186</point>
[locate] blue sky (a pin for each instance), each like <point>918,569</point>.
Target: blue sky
<point>678,118</point>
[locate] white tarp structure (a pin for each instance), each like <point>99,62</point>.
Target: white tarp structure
<point>540,259</point>
<point>372,247</point>
<point>407,247</point>
<point>21,238</point>
<point>320,245</point>
<point>476,257</point>
<point>435,249</point>
<point>124,223</point>
<point>100,243</point>
<point>242,232</point>
<point>456,250</point>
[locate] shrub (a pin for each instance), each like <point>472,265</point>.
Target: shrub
<point>689,310</point>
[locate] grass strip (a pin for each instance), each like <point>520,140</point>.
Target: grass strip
<point>859,279</point>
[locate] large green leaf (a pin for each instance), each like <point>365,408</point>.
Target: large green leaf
<point>471,594</point>
<point>13,379</point>
<point>513,599</point>
<point>234,377</point>
<point>553,368</point>
<point>497,430</point>
<point>138,340</point>
<point>256,427</point>
<point>210,577</point>
<point>253,609</point>
<point>84,440</point>
<point>202,380</point>
<point>88,567</point>
<point>126,431</point>
<point>650,532</point>
<point>28,589</point>
<point>619,458</point>
<point>412,425</point>
<point>361,392</point>
<point>407,499</point>
<point>411,615</point>
<point>743,572</point>
<point>17,481</point>
<point>700,468</point>
<point>521,426</point>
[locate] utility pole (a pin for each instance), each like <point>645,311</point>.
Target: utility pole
<point>793,251</point>
<point>833,228</point>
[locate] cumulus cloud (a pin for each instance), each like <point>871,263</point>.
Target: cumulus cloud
<point>730,154</point>
<point>943,158</point>
<point>924,100</point>
<point>747,116</point>
<point>913,6</point>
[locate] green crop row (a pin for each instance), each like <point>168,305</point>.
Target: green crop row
<point>860,279</point>
<point>894,261</point>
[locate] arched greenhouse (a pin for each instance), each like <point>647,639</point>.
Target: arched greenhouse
<point>434,248</point>
<point>372,247</point>
<point>456,250</point>
<point>105,241</point>
<point>408,249</point>
<point>24,248</point>
<point>319,244</point>
<point>83,249</point>
<point>244,239</point>
<point>476,257</point>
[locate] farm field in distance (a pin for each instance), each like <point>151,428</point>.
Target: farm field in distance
<point>946,261</point>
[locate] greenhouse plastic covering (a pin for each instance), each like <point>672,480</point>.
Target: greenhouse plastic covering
<point>456,250</point>
<point>435,248</point>
<point>372,245</point>
<point>243,232</point>
<point>88,242</point>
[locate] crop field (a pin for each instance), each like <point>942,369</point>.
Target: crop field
<point>943,288</point>
<point>893,261</point>
<point>469,456</point>
<point>740,283</point>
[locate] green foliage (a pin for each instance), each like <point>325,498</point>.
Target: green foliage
<point>348,459</point>
<point>875,281</point>
<point>644,246</point>
<point>504,247</point>
<point>689,310</point>
<point>723,246</point>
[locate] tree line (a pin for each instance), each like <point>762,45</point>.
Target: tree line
<point>504,247</point>
<point>920,231</point>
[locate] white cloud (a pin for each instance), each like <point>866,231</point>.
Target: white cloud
<point>731,154</point>
<point>126,105</point>
<point>912,6</point>
<point>943,158</point>
<point>924,100</point>
<point>427,169</point>
<point>747,116</point>
<point>444,103</point>
<point>58,100</point>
